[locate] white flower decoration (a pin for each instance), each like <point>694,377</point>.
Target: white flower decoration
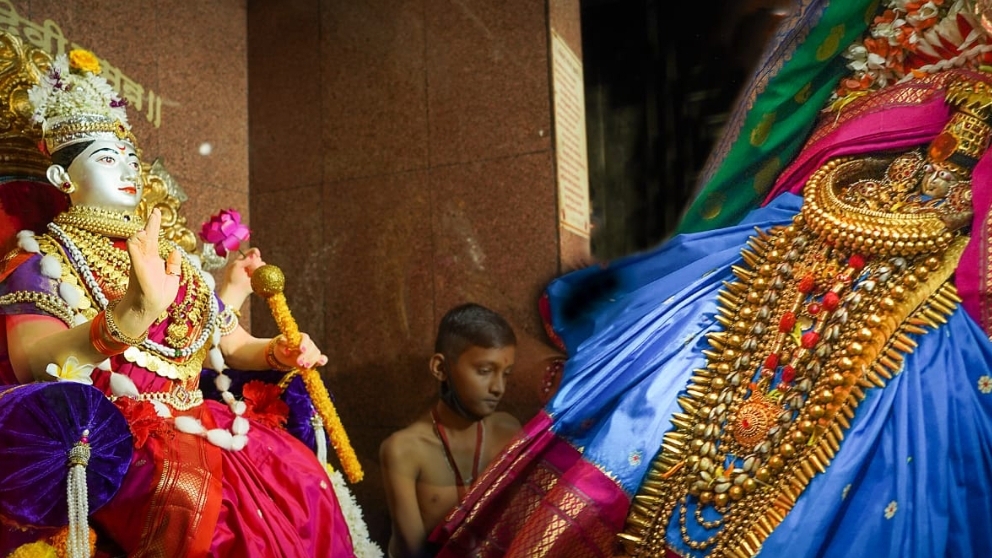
<point>891,509</point>
<point>71,371</point>
<point>634,459</point>
<point>985,384</point>
<point>62,92</point>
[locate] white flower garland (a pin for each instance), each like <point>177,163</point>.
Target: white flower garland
<point>62,93</point>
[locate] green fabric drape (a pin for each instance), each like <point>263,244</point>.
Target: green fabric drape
<point>800,68</point>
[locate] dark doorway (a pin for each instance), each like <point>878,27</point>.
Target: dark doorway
<point>659,86</point>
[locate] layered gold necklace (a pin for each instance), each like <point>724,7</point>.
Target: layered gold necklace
<point>105,222</point>
<point>819,313</point>
<point>91,230</point>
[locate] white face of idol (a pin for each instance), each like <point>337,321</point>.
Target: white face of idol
<point>107,174</point>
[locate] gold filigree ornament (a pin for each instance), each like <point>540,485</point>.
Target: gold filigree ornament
<point>819,312</point>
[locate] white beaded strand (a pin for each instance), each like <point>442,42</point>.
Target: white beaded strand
<point>78,542</point>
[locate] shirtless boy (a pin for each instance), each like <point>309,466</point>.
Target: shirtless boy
<point>429,465</point>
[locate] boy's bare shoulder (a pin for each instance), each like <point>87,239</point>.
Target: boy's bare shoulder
<point>503,422</point>
<point>406,441</point>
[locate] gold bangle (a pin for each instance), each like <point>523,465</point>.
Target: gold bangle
<point>116,333</point>
<point>227,321</point>
<point>270,356</point>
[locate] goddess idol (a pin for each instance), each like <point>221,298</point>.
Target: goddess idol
<point>100,297</point>
<point>812,381</point>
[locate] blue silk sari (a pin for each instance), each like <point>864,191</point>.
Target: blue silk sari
<point>912,477</point>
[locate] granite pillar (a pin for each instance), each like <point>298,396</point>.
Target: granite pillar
<point>402,161</point>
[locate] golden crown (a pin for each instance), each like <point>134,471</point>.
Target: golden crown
<point>967,134</point>
<point>73,103</point>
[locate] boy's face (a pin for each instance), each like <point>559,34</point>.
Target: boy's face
<point>479,377</point>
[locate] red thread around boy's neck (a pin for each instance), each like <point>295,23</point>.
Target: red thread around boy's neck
<point>460,483</point>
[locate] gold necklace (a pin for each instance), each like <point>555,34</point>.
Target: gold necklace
<point>105,222</point>
<point>91,230</point>
<point>111,265</point>
<point>818,314</point>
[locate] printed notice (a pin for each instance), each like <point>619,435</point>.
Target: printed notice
<point>570,138</point>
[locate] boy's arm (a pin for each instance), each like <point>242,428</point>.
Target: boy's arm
<point>398,459</point>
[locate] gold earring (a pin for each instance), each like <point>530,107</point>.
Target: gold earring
<point>68,187</point>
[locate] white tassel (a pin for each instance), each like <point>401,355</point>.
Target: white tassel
<point>78,544</point>
<point>318,432</point>
<point>27,242</point>
<point>50,267</point>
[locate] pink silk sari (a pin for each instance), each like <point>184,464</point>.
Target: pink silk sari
<point>184,496</point>
<point>539,489</point>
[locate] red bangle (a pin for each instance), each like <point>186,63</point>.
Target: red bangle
<point>101,339</point>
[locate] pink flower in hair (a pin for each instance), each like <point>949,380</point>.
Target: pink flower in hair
<point>225,231</point>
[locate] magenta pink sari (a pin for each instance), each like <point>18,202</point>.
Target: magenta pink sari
<point>900,117</point>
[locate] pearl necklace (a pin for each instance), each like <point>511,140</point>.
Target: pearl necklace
<point>79,261</point>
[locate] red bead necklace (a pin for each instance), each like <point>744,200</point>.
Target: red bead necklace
<point>460,483</point>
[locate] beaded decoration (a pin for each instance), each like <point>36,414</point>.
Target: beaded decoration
<point>815,318</point>
<point>819,312</point>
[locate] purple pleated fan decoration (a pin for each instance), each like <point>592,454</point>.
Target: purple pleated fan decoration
<point>39,424</point>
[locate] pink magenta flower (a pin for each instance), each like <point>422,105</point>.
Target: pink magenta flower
<point>225,231</point>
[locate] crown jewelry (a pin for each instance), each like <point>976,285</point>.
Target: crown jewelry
<point>73,103</point>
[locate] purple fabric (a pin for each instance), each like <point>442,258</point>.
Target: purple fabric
<point>39,424</point>
<point>295,396</point>
<point>27,277</point>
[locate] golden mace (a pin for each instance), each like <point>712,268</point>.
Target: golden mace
<point>268,281</point>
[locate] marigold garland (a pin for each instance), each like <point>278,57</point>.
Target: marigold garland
<point>318,392</point>
<point>52,547</point>
<point>37,549</point>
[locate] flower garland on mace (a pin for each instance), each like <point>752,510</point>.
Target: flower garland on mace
<point>268,281</point>
<point>225,232</point>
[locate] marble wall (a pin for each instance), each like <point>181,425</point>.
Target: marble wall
<point>401,162</point>
<point>185,61</point>
<point>393,157</point>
